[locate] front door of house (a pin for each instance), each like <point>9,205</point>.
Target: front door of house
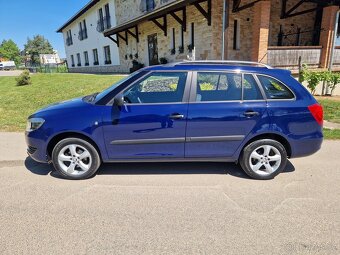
<point>153,49</point>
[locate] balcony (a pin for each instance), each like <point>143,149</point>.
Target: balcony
<point>103,24</point>
<point>82,34</point>
<point>288,56</point>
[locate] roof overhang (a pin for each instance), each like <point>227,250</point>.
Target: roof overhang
<point>155,14</point>
<point>88,6</point>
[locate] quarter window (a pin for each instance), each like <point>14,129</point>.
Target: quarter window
<point>250,89</point>
<point>275,89</point>
<point>219,87</point>
<point>160,87</point>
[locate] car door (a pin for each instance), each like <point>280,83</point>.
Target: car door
<point>224,108</point>
<point>151,122</point>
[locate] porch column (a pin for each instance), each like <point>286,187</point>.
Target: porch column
<point>260,31</point>
<point>327,33</point>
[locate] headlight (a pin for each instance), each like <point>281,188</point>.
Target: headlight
<point>34,124</point>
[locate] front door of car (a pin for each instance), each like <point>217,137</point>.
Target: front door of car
<point>151,122</point>
<point>224,108</point>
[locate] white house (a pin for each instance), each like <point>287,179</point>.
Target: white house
<point>87,50</point>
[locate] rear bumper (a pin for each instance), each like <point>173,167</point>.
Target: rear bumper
<point>305,147</point>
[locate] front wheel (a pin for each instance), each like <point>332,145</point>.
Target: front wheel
<point>263,159</point>
<point>75,158</point>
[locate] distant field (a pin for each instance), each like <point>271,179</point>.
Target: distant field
<point>17,103</point>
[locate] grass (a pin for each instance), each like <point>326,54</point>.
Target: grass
<point>331,134</point>
<point>331,109</point>
<point>18,102</point>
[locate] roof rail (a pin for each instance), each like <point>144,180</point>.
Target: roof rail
<point>224,62</point>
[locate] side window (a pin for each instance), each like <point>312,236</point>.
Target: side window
<point>250,89</point>
<point>159,87</point>
<point>275,89</point>
<point>218,87</point>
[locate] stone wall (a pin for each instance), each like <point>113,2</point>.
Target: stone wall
<point>291,25</point>
<point>203,39</point>
<point>130,9</point>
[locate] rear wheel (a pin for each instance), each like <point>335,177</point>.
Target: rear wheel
<point>263,159</point>
<point>75,158</point>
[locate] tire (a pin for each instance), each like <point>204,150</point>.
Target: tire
<point>75,158</point>
<point>261,165</point>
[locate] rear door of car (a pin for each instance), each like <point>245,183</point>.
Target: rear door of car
<point>224,108</point>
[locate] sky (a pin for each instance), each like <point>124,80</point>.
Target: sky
<point>20,19</point>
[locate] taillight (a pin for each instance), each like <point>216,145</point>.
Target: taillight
<point>317,112</point>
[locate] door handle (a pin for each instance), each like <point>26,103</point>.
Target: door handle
<point>176,116</point>
<point>251,113</point>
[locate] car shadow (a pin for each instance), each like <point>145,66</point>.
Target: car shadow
<point>156,168</point>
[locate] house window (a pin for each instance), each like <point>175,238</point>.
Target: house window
<point>107,19</point>
<point>86,57</point>
<point>82,30</point>
<point>172,42</point>
<point>181,47</point>
<point>69,40</point>
<point>107,55</point>
<point>192,36</point>
<point>100,23</point>
<point>95,57</point>
<point>72,60</point>
<point>236,43</point>
<point>149,5</point>
<point>78,59</point>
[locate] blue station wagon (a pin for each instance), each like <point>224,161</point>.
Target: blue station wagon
<point>226,111</point>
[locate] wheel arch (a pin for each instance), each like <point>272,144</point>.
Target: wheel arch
<point>272,136</point>
<point>57,138</point>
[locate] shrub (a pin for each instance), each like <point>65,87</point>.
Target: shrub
<point>163,61</point>
<point>24,78</point>
<point>334,80</point>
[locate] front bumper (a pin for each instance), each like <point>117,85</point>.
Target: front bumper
<point>36,146</point>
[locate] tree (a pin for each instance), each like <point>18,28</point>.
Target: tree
<point>10,51</point>
<point>37,45</point>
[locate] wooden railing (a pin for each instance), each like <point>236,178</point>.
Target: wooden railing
<point>288,56</point>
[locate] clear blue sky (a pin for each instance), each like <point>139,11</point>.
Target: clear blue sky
<point>20,19</point>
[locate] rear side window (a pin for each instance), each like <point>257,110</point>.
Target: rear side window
<point>218,87</point>
<point>250,89</point>
<point>275,89</point>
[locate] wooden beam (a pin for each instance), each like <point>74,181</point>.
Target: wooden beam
<point>182,21</point>
<point>238,8</point>
<point>164,27</point>
<point>135,35</point>
<point>114,40</point>
<point>292,11</point>
<point>124,39</point>
<point>205,13</point>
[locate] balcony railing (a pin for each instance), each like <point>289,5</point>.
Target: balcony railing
<point>104,23</point>
<point>82,34</point>
<point>288,56</point>
<point>69,41</point>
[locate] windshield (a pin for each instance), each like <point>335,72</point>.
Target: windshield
<point>112,87</point>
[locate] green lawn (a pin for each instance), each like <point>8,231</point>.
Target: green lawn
<point>331,109</point>
<point>17,103</point>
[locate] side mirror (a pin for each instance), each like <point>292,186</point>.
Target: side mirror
<point>119,100</point>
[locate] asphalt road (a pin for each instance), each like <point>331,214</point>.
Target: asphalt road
<point>191,208</point>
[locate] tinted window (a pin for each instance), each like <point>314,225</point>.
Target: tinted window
<point>250,89</point>
<point>162,87</point>
<point>218,87</point>
<point>275,89</point>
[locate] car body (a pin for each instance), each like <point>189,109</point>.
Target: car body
<point>189,111</point>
